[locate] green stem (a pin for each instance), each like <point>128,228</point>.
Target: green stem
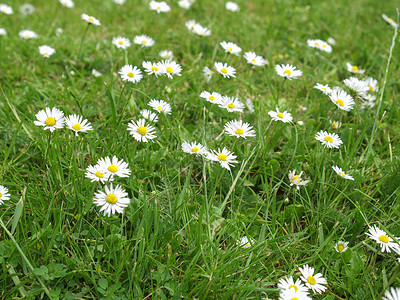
<point>80,46</point>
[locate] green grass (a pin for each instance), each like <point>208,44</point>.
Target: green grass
<point>178,237</point>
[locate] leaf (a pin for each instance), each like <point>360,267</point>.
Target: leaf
<point>18,211</point>
<point>103,283</point>
<point>273,166</point>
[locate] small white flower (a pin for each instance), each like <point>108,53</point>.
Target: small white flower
<point>286,284</point>
<point>232,6</point>
<point>50,118</point>
<point>230,47</point>
<point>320,45</point>
<point>67,3</point>
<point>207,73</point>
<point>296,179</point>
<point>4,195</point>
<point>27,34</point>
<point>121,42</point>
<point>357,85</point>
<point>354,69</point>
<point>90,19</point>
<point>372,84</point>
<point>149,115</point>
<point>119,2</point>
<point>390,20</point>
<point>130,73</point>
<point>166,54</point>
<point>3,31</point>
<point>315,282</point>
<point>26,9</point>
<point>59,31</point>
<point>254,59</point>
<point>159,7</point>
<point>342,174</point>
<point>224,157</point>
<point>113,200</point>
<point>335,124</point>
<point>213,97</point>
<point>5,9</point>
<point>143,40</point>
<point>224,69</point>
<point>140,131</point>
<point>96,73</point>
<point>288,71</point>
<point>170,68</point>
<point>160,106</point>
<point>201,31</point>
<point>186,4</point>
<point>194,148</point>
<point>231,104</point>
<point>341,246</point>
<point>46,51</point>
<point>152,68</point>
<point>239,129</point>
<point>323,88</point>
<point>381,237</point>
<point>250,105</point>
<point>331,41</point>
<point>329,140</point>
<point>190,25</point>
<point>341,99</point>
<point>114,166</point>
<point>285,117</point>
<point>77,124</point>
<point>392,294</point>
<point>96,173</point>
<point>245,242</point>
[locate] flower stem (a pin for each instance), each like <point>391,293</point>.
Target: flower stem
<point>80,46</point>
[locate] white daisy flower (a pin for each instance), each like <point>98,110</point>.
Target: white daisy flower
<point>354,69</point>
<point>392,294</point>
<point>331,41</point>
<point>232,6</point>
<point>357,85</point>
<point>288,71</point>
<point>149,115</point>
<point>340,172</point>
<point>46,51</point>
<point>186,4</point>
<point>26,9</point>
<point>381,237</point>
<point>6,9</point>
<point>231,104</point>
<point>67,3</point>
<point>119,2</point>
<point>230,47</point>
<point>254,59</point>
<point>372,84</point>
<point>112,201</point>
<point>291,294</point>
<point>114,167</point>
<point>239,129</point>
<point>152,68</point>
<point>50,118</point>
<point>368,97</point>
<point>207,73</point>
<point>335,124</point>
<point>368,104</point>
<point>341,246</point>
<point>341,99</point>
<point>329,140</point>
<point>96,73</point>
<point>159,7</point>
<point>90,19</point>
<point>224,157</point>
<point>245,242</point>
<point>201,31</point>
<point>315,282</point>
<point>27,34</point>
<point>250,105</point>
<point>213,97</point>
<point>191,24</point>
<point>194,148</point>
<point>130,73</point>
<point>170,68</point>
<point>77,124</point>
<point>320,45</point>
<point>3,31</point>
<point>288,283</point>
<point>121,42</point>
<point>160,106</point>
<point>59,31</point>
<point>323,88</point>
<point>296,179</point>
<point>97,173</point>
<point>143,40</point>
<point>140,131</point>
<point>390,20</point>
<point>224,69</point>
<point>166,54</point>
<point>4,195</point>
<point>285,117</point>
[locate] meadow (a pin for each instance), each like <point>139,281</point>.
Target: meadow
<point>238,214</point>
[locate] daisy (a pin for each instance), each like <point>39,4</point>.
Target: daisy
<point>285,284</point>
<point>190,24</point>
<point>292,294</point>
<point>27,9</point>
<point>170,68</point>
<point>213,97</point>
<point>389,20</point>
<point>245,242</point>
<point>329,140</point>
<point>96,173</point>
<point>149,115</point>
<point>314,282</point>
<point>387,244</point>
<point>160,106</point>
<point>320,45</point>
<point>254,59</point>
<point>331,41</point>
<point>78,124</point>
<point>368,104</point>
<point>335,124</point>
<point>119,2</point>
<point>152,68</point>
<point>112,200</point>
<point>340,172</point>
<point>194,148</point>
<point>114,167</point>
<point>341,99</point>
<point>288,71</point>
<point>239,129</point>
<point>3,31</point>
<point>323,88</point>
<point>159,6</point>
<point>50,118</point>
<point>392,294</point>
<point>46,51</point>
<point>90,19</point>
<point>186,4</point>
<point>59,31</point>
<point>224,157</point>
<point>131,74</point>
<point>67,3</point>
<point>231,104</point>
<point>372,84</point>
<point>143,40</point>
<point>4,195</point>
<point>5,9</point>
<point>354,69</point>
<point>357,85</point>
<point>285,117</point>
<point>230,47</point>
<point>296,179</point>
<point>368,97</point>
<point>207,73</point>
<point>232,6</point>
<point>27,34</point>
<point>341,246</point>
<point>201,31</point>
<point>250,105</point>
<point>140,131</point>
<point>96,73</point>
<point>121,42</point>
<point>225,70</point>
<point>166,54</point>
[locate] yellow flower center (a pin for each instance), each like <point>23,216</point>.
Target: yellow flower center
<point>371,88</point>
<point>223,70</point>
<point>239,131</point>
<point>231,105</point>
<point>27,35</point>
<point>247,245</point>
<point>340,102</point>
<point>144,42</point>
<point>170,70</point>
<point>158,7</point>
<point>222,157</point>
<point>46,54</point>
<point>131,75</point>
<point>112,168</point>
<point>154,68</point>
<point>230,49</point>
<point>294,298</point>
<point>311,280</point>
<point>253,60</point>
<point>342,174</point>
<point>328,139</point>
<point>334,125</point>
<point>121,42</point>
<point>316,44</point>
<point>354,68</point>
<point>287,72</point>
<point>212,98</point>
<point>295,177</point>
<point>340,247</point>
<point>390,20</point>
<point>1,195</point>
<point>99,174</point>
<point>112,199</point>
<point>280,115</point>
<point>159,107</point>
<point>90,19</point>
<point>195,149</point>
<point>142,130</point>
<point>384,238</point>
<point>295,287</point>
<point>324,46</point>
<point>77,127</point>
<point>50,121</point>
